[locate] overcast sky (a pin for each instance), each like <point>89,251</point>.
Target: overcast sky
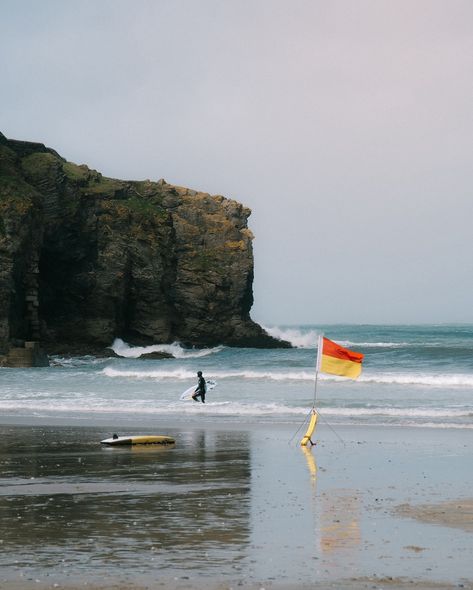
<point>346,126</point>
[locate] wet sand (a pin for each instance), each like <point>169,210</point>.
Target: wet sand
<point>457,514</point>
<point>175,584</point>
<point>234,506</point>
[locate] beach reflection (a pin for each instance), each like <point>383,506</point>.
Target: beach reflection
<point>312,466</point>
<point>340,521</point>
<point>181,508</point>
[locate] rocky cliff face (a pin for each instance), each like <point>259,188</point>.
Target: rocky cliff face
<point>84,258</point>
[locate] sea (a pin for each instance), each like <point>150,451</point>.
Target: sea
<point>413,375</point>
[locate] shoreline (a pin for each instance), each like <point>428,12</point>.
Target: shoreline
<point>289,427</point>
<point>325,431</point>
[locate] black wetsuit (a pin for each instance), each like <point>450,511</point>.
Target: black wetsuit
<point>200,390</point>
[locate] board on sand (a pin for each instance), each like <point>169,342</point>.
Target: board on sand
<point>188,393</point>
<point>138,440</point>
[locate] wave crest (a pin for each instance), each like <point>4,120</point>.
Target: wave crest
<point>125,350</point>
<point>184,374</point>
<point>434,380</point>
<point>297,338</point>
<point>309,339</point>
<point>180,374</point>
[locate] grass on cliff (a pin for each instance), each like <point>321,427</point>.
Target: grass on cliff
<point>39,164</point>
<point>76,173</point>
<point>145,206</point>
<point>108,187</point>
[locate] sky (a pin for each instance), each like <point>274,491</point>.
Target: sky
<point>345,125</point>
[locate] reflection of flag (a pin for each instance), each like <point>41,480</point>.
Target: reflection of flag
<point>336,360</point>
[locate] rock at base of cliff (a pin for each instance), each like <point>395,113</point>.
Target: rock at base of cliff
<point>156,355</point>
<point>68,350</point>
<point>29,355</point>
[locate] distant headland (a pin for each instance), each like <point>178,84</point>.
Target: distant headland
<point>85,259</point>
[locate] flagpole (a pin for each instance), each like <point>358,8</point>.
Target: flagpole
<point>317,365</point>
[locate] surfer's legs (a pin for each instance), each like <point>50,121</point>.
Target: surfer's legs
<point>202,396</point>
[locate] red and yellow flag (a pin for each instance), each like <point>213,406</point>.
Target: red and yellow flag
<point>336,360</point>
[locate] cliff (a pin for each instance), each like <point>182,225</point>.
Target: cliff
<point>85,259</point>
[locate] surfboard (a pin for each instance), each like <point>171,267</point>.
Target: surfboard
<point>188,393</point>
<point>138,440</point>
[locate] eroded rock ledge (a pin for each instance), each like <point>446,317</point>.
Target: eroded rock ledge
<point>85,259</point>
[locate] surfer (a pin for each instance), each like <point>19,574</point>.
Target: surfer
<point>200,389</point>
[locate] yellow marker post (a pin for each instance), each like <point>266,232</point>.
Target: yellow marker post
<point>310,429</point>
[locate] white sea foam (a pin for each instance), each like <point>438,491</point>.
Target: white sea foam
<point>309,339</point>
<point>297,338</point>
<point>432,380</point>
<point>415,417</point>
<point>184,374</point>
<point>100,406</point>
<point>123,349</point>
<point>350,344</point>
<point>177,374</point>
<point>398,412</point>
<point>76,361</point>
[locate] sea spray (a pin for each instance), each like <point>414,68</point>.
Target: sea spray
<point>123,349</point>
<point>297,337</point>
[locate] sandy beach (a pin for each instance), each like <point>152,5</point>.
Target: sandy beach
<point>243,507</point>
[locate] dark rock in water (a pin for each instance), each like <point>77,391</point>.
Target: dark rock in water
<point>69,350</point>
<point>85,259</point>
<point>156,355</point>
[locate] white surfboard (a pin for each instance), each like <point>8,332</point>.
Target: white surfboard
<point>188,393</point>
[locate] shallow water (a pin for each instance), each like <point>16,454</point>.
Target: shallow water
<point>236,505</point>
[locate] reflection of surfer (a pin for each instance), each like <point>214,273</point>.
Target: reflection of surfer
<point>200,389</point>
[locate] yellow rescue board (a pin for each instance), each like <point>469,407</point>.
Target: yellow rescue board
<point>138,440</point>
<point>310,429</point>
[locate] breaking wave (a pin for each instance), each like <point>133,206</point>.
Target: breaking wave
<point>184,374</point>
<point>297,338</point>
<point>308,339</point>
<point>125,350</point>
<point>433,380</point>
<point>181,374</point>
<point>350,344</point>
